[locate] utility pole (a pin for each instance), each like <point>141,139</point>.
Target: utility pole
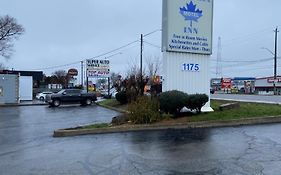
<point>275,61</point>
<point>87,78</point>
<point>141,50</point>
<point>82,74</point>
<point>108,87</point>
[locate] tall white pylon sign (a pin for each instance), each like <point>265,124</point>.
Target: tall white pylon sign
<point>187,46</point>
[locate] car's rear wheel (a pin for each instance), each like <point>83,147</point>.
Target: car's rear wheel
<point>41,98</point>
<point>56,103</point>
<point>88,102</point>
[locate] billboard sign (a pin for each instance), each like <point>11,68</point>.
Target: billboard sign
<point>187,26</point>
<point>98,68</point>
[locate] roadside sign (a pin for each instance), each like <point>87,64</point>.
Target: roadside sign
<point>72,72</point>
<point>98,68</point>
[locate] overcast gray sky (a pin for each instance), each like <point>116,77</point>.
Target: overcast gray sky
<point>59,32</point>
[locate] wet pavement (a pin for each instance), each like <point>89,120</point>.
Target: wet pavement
<point>28,148</point>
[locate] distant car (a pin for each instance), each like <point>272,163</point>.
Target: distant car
<point>112,93</point>
<point>42,95</point>
<point>71,96</point>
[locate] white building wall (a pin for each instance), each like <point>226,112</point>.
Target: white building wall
<point>9,85</point>
<point>263,83</point>
<point>25,88</point>
<point>187,81</point>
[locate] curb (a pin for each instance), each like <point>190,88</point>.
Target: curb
<point>159,127</point>
<point>112,108</point>
<point>15,105</point>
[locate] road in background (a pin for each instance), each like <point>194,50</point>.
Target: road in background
<point>248,98</point>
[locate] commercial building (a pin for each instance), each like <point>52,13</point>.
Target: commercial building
<point>9,89</point>
<point>243,85</point>
<point>265,85</point>
<point>37,76</point>
<point>16,86</point>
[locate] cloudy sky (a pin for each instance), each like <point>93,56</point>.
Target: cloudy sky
<point>61,33</point>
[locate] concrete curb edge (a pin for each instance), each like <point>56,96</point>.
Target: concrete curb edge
<point>15,105</point>
<point>158,127</point>
<point>112,108</point>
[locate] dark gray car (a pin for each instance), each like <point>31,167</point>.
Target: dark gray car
<point>70,96</point>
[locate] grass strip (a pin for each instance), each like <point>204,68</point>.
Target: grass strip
<point>97,126</point>
<point>246,110</point>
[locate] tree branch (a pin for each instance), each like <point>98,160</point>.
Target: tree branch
<point>9,30</point>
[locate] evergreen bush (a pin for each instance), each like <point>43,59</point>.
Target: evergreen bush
<point>196,102</point>
<point>172,101</point>
<point>121,97</point>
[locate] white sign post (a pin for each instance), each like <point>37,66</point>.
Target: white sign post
<point>187,46</point>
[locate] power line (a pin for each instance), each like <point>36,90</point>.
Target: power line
<point>126,45</point>
<point>153,45</point>
<point>114,50</point>
<point>246,38</point>
<point>103,54</point>
<point>158,30</point>
<point>254,62</point>
<point>240,61</point>
<point>53,67</point>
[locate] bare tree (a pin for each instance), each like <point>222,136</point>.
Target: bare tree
<point>132,68</point>
<point>60,73</point>
<point>61,77</point>
<point>10,30</point>
<point>115,78</point>
<point>153,66</point>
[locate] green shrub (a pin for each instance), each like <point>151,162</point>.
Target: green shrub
<point>121,97</point>
<point>144,110</point>
<point>196,102</point>
<point>172,101</point>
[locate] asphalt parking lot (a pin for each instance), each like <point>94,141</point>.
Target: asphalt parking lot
<point>28,148</point>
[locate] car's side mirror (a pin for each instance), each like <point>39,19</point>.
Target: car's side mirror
<point>64,93</point>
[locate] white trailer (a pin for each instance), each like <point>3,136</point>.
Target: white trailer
<point>25,88</point>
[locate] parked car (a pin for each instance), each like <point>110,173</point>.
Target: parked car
<point>42,95</point>
<point>112,93</point>
<point>71,96</point>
